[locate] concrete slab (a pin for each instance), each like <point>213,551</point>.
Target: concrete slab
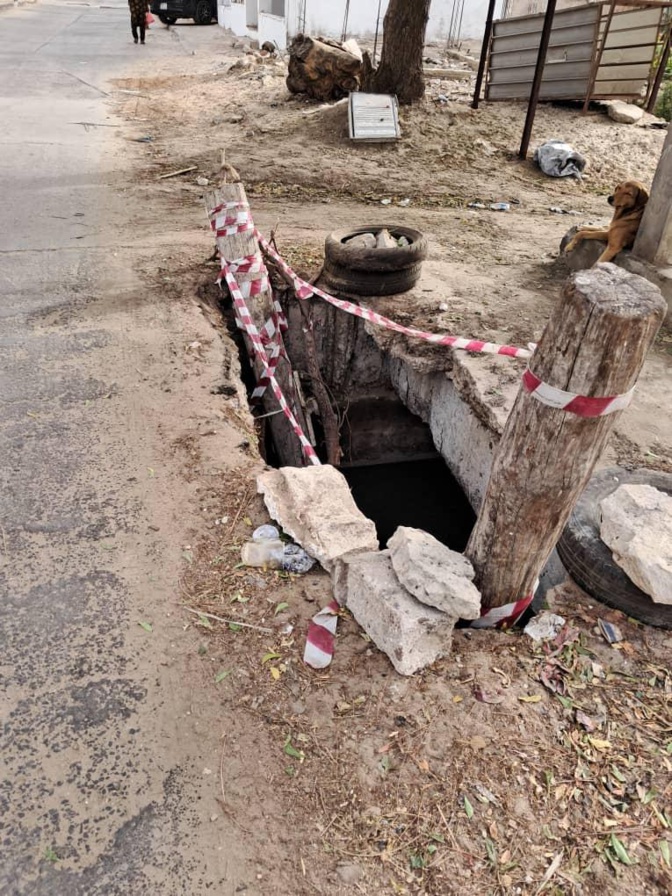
<point>411,634</point>
<point>315,506</point>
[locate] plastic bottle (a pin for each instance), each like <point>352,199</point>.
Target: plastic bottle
<point>268,553</point>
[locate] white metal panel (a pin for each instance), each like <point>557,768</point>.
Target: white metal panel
<point>373,117</point>
<point>625,68</point>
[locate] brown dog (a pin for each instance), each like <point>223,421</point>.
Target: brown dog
<point>629,201</point>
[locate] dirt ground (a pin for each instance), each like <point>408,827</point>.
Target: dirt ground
<point>506,768</point>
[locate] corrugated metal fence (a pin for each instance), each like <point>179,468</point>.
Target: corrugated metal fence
<point>580,62</point>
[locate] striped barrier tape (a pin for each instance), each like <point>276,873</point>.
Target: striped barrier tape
<point>503,617</point>
<point>304,290</point>
<point>321,638</point>
<point>581,405</point>
<point>231,218</point>
<point>253,265</point>
<point>268,372</point>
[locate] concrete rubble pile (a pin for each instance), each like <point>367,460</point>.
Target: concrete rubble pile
<point>406,598</point>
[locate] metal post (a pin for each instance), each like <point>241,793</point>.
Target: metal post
<point>597,61</point>
<point>538,75</point>
<point>345,21</point>
<point>459,27</point>
<point>484,54</point>
<point>653,96</point>
<point>375,40</point>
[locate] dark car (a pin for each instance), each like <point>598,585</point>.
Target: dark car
<point>169,11</point>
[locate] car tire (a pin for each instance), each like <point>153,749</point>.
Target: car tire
<point>589,561</point>
<point>167,20</point>
<point>203,12</point>
<point>373,272</point>
<point>369,283</point>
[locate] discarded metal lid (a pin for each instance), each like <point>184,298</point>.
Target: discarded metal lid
<point>373,117</point>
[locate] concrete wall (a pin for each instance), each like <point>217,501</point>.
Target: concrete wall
<point>514,8</point>
<point>326,17</point>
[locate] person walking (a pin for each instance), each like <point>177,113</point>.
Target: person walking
<point>139,10</point>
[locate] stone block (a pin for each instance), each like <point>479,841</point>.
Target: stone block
<point>586,253</point>
<point>435,575</point>
<point>411,634</point>
<point>315,506</point>
<point>637,527</point>
<point>624,113</point>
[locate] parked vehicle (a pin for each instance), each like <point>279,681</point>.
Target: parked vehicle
<point>203,12</point>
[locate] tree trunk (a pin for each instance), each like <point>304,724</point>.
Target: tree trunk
<point>400,69</point>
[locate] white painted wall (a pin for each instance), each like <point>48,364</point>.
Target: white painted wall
<point>326,17</point>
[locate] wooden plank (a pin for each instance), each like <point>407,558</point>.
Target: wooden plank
<point>564,18</point>
<point>574,53</point>
<point>569,71</point>
<point>628,55</point>
<point>563,90</point>
<point>641,37</point>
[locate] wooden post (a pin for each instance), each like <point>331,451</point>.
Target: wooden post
<point>594,345</point>
<point>238,246</point>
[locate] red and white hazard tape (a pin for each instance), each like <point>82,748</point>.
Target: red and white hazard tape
<point>304,290</point>
<point>321,637</point>
<point>581,405</point>
<point>231,218</point>
<point>503,617</point>
<point>268,373</point>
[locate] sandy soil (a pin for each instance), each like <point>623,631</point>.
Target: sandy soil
<point>506,768</point>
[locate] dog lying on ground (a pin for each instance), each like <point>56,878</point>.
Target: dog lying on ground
<point>629,201</point>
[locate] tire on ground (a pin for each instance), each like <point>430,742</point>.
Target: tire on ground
<point>338,250</point>
<point>369,283</point>
<point>588,559</point>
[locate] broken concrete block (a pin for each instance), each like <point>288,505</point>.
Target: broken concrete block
<point>624,113</point>
<point>435,575</point>
<point>545,626</point>
<point>315,506</point>
<point>637,526</point>
<point>411,634</point>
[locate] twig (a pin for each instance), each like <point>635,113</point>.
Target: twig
<point>222,802</point>
<point>244,503</point>
<point>552,868</point>
<point>175,173</point>
<point>257,628</point>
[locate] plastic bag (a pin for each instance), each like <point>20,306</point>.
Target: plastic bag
<point>149,19</point>
<point>559,159</point>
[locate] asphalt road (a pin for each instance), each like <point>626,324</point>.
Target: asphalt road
<point>106,753</point>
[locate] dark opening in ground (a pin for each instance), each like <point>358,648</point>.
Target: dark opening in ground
<point>419,493</point>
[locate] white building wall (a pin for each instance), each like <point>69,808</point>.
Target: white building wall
<point>326,17</point>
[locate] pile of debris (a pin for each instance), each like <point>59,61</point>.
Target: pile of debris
<point>406,598</point>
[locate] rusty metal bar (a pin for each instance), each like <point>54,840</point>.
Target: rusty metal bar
<point>538,75</point>
<point>653,94</point>
<point>598,56</point>
<point>484,53</point>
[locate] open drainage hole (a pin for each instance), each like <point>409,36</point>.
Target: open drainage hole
<point>422,494</point>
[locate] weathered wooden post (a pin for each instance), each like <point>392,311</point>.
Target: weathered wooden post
<point>594,345</point>
<point>234,247</point>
